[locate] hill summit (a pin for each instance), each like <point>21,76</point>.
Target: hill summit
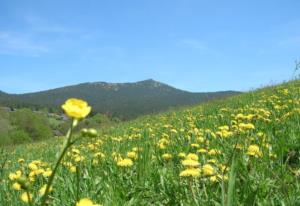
<point>123,100</point>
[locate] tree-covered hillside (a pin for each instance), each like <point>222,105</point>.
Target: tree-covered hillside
<point>122,100</point>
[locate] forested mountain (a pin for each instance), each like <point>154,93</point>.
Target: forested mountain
<point>123,100</point>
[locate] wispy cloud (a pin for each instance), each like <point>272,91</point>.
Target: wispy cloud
<point>38,36</point>
<point>15,43</point>
<point>35,38</point>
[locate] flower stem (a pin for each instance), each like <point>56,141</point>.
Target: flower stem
<point>29,198</point>
<point>192,190</point>
<point>66,145</point>
<point>77,182</point>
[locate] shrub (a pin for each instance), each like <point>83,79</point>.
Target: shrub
<point>18,136</point>
<point>36,125</point>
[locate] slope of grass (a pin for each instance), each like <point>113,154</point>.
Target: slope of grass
<point>244,150</point>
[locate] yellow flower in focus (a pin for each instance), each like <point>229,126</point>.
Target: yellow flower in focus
<point>253,150</point>
<point>25,197</point>
<point>125,163</point>
<point>76,108</point>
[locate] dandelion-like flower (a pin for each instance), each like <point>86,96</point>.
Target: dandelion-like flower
<point>253,150</point>
<point>26,197</point>
<point>76,108</point>
<point>86,202</point>
<point>208,170</point>
<point>190,163</point>
<point>43,189</point>
<point>192,156</point>
<point>125,163</point>
<point>16,186</point>
<point>167,156</point>
<point>190,172</point>
<point>246,126</point>
<point>132,155</point>
<point>181,155</point>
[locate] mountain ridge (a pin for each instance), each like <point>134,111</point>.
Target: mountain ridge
<point>123,100</point>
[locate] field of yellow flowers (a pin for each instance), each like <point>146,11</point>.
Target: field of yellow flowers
<point>244,150</point>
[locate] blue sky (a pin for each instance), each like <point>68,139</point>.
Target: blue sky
<point>195,45</point>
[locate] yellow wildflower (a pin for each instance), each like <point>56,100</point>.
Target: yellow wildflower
<point>190,163</point>
<point>43,189</point>
<point>194,145</point>
<point>181,155</point>
<point>202,151</point>
<point>16,186</point>
<point>208,170</point>
<point>79,158</point>
<point>213,161</point>
<point>125,163</point>
<point>132,155</point>
<point>21,161</point>
<point>15,176</point>
<point>99,155</point>
<point>73,169</point>
<point>246,126</point>
<point>190,172</point>
<point>214,152</point>
<point>86,202</point>
<point>192,156</point>
<point>26,197</point>
<point>217,178</point>
<point>76,108</point>
<point>253,150</point>
<point>167,156</point>
<point>32,166</point>
<point>47,173</point>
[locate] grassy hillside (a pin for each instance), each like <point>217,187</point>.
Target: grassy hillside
<point>244,150</point>
<point>122,100</point>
